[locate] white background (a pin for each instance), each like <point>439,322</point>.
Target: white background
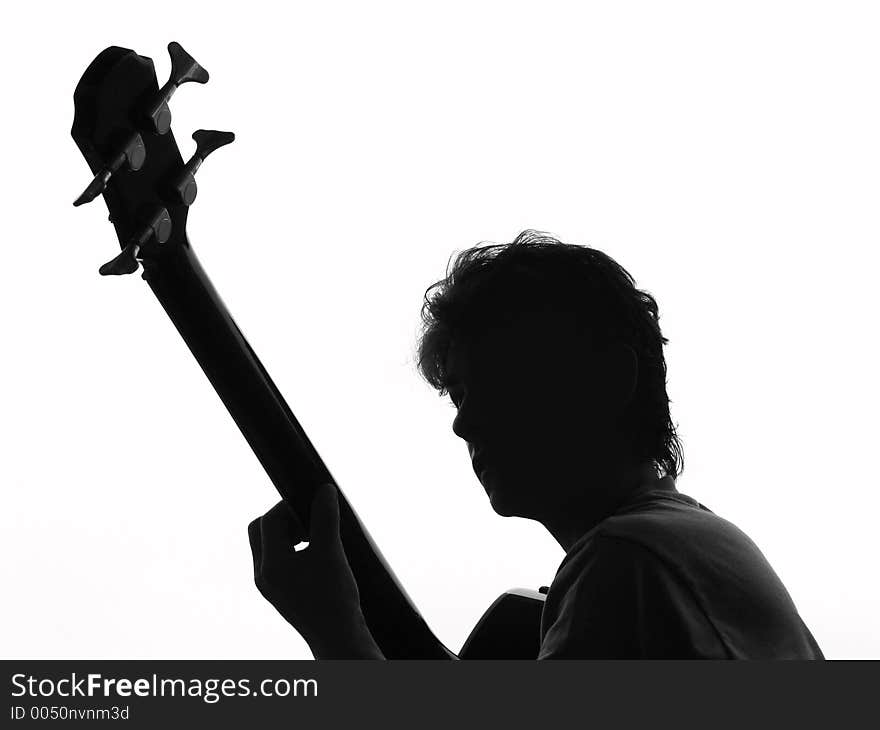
<point>727,154</point>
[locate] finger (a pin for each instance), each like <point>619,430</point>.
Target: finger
<point>283,525</point>
<point>278,531</point>
<point>324,519</point>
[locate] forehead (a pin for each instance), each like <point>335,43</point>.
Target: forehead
<point>514,344</point>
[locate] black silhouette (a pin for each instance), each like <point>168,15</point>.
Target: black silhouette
<point>554,360</point>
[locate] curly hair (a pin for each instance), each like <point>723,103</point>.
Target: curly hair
<point>488,283</point>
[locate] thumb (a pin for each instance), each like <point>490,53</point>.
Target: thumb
<point>324,517</point>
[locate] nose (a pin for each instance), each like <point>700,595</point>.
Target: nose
<point>464,425</point>
<point>459,425</point>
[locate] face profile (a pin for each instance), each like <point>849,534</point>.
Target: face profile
<point>554,360</point>
<point>539,410</point>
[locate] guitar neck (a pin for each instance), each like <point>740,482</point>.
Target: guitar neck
<point>280,443</point>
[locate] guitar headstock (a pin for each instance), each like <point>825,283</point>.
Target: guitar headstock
<point>122,125</point>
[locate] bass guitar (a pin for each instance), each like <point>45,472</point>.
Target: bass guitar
<point>122,126</point>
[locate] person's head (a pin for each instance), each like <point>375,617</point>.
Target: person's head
<point>554,360</point>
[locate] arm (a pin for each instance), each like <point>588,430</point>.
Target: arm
<point>312,588</point>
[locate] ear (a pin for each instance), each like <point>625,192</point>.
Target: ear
<point>621,372</point>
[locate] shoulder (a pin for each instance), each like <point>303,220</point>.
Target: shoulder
<point>613,563</point>
<point>685,535</point>
<point>653,534</point>
<point>615,598</point>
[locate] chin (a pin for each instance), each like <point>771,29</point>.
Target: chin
<point>508,495</point>
<point>505,506</point>
<point>501,507</point>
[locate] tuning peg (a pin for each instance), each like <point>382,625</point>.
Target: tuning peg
<point>183,68</point>
<point>133,153</point>
<point>159,227</point>
<point>124,263</point>
<point>207,140</point>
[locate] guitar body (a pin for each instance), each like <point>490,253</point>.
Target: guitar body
<point>509,629</point>
<point>122,127</point>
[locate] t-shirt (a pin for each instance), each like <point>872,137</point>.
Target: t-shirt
<point>665,577</point>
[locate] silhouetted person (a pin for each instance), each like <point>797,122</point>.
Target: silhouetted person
<point>554,360</point>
